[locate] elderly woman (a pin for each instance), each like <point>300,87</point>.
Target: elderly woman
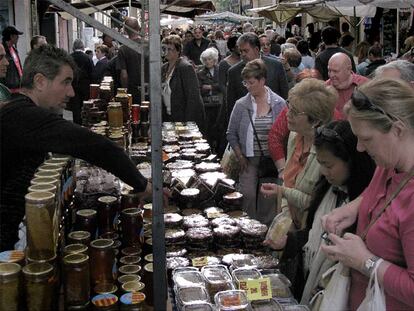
<point>380,111</point>
<point>311,104</point>
<point>208,77</point>
<point>255,112</point>
<point>180,91</point>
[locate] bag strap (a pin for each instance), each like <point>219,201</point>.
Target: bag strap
<point>387,203</point>
<point>255,133</point>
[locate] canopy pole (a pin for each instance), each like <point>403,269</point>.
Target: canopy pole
<point>160,281</point>
<point>398,32</point>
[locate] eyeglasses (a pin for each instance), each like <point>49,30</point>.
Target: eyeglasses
<point>292,110</point>
<point>362,102</point>
<point>247,83</point>
<point>328,133</point>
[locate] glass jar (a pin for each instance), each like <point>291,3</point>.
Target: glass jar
<point>131,251</point>
<point>135,109</point>
<point>42,187</point>
<point>147,278</point>
<point>128,278</point>
<point>39,286</point>
<point>144,129</point>
<point>52,174</point>
<point>122,98</point>
<point>132,301</point>
<point>129,269</point>
<point>50,168</point>
<point>102,258</point>
<point>105,94</point>
<point>105,288</point>
<point>86,221</point>
<point>94,91</point>
<point>133,286</point>
<point>147,247</point>
<point>107,209</point>
<point>149,258</point>
<point>81,237</point>
<point>115,115</point>
<point>45,180</point>
<point>144,111</point>
<point>107,302</point>
<point>9,286</point>
<point>131,223</point>
<point>129,260</point>
<point>41,238</point>
<point>76,279</point>
<point>75,249</point>
<point>118,138</point>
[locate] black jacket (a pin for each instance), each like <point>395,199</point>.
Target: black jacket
<point>193,51</point>
<point>12,79</point>
<point>99,70</point>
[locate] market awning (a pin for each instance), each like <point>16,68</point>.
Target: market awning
<point>183,8</point>
<point>228,17</point>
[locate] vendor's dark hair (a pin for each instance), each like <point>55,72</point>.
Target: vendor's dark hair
<point>250,38</point>
<point>47,60</point>
<point>330,35</point>
<point>361,165</point>
<point>232,42</point>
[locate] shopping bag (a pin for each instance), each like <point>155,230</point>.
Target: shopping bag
<point>336,292</point>
<point>230,163</point>
<point>374,298</point>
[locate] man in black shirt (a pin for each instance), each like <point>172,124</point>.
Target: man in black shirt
<point>330,36</point>
<point>29,130</point>
<point>195,47</point>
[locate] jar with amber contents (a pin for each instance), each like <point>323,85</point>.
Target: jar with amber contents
<point>105,94</point>
<point>41,238</point>
<point>76,280</point>
<point>102,257</point>
<point>107,209</point>
<point>86,221</point>
<point>131,223</point>
<point>9,286</point>
<point>39,286</point>
<point>122,97</point>
<point>115,115</point>
<point>144,117</point>
<point>147,279</point>
<point>94,91</point>
<point>82,237</point>
<point>132,301</point>
<point>75,249</point>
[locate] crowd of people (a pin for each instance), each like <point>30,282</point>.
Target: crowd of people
<point>336,122</point>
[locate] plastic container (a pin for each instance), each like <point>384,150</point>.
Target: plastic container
<point>232,300</point>
<point>217,279</point>
<point>280,226</point>
<point>202,306</point>
<point>266,305</point>
<point>188,278</point>
<point>280,284</point>
<point>244,274</point>
<point>187,295</point>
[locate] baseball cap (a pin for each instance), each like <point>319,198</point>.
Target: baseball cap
<point>11,30</point>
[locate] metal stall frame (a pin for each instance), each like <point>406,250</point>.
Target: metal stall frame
<point>159,275</point>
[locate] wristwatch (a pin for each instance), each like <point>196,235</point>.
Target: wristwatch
<point>369,265</point>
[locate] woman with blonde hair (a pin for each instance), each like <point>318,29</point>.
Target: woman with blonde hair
<point>381,113</point>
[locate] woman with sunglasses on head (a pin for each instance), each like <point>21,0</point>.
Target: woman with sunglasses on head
<point>381,114</point>
<point>180,88</point>
<point>247,132</point>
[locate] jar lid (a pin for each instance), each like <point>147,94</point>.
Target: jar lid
<point>105,288</point>
<point>60,156</point>
<point>42,187</point>
<point>126,260</point>
<point>149,258</point>
<point>133,286</point>
<point>79,235</point>
<point>132,211</point>
<point>129,269</point>
<point>133,298</point>
<point>8,269</point>
<point>107,199</point>
<point>127,251</point>
<point>56,161</point>
<point>44,180</point>
<point>50,168</point>
<point>47,174</point>
<point>11,256</point>
<point>102,243</point>
<point>117,244</point>
<point>104,300</point>
<point>75,248</point>
<point>39,197</point>
<point>86,212</point>
<point>75,258</point>
<point>149,267</point>
<point>128,278</point>
<point>37,269</point>
<point>110,236</point>
<point>148,241</point>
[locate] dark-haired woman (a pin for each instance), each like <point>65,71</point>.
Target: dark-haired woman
<point>345,174</point>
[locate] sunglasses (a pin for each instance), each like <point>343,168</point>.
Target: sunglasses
<point>362,102</point>
<point>328,134</point>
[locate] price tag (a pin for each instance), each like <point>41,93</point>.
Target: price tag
<point>200,261</point>
<point>257,289</point>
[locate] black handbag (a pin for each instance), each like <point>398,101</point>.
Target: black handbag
<point>266,167</point>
